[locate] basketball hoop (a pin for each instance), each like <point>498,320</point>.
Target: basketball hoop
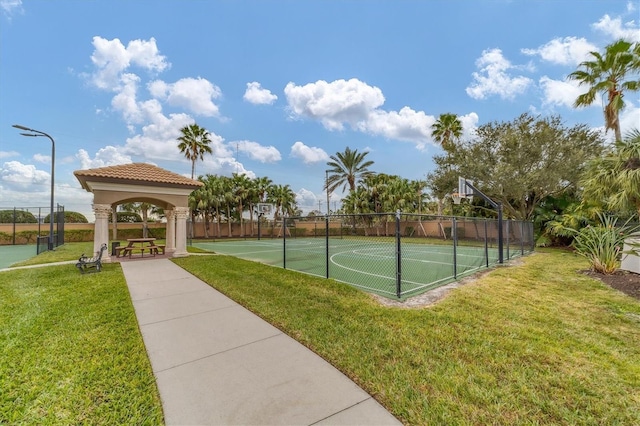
<point>457,197</point>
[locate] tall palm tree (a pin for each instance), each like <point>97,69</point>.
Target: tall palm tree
<point>347,168</point>
<point>194,143</point>
<point>615,178</point>
<point>284,199</point>
<point>606,74</point>
<point>241,185</point>
<point>447,131</point>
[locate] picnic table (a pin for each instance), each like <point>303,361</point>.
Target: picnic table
<point>139,245</point>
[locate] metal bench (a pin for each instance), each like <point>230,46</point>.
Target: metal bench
<point>91,264</point>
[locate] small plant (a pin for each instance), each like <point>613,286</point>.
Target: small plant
<point>602,244</point>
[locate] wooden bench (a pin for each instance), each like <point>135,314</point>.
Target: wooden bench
<point>91,264</point>
<point>160,247</point>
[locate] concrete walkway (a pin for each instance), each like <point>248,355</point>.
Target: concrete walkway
<point>217,363</point>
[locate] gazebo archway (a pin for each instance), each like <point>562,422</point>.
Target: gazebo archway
<point>139,182</point>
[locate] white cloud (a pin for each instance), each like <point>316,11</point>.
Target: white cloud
<point>493,77</point>
<point>556,92</point>
<point>107,156</point>
<point>6,154</point>
<point>357,105</point>
<point>255,151</point>
<point>469,124</point>
<point>125,101</point>
<point>563,51</point>
<point>11,6</point>
<point>112,58</point>
<point>405,125</point>
<point>629,118</point>
<point>615,28</point>
<point>39,158</point>
<point>308,154</point>
<point>158,139</point>
<point>335,103</point>
<point>308,201</point>
<point>194,94</point>
<point>255,94</point>
<point>18,176</point>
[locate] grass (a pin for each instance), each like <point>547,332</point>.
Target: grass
<point>533,344</point>
<point>70,348</point>
<point>66,252</point>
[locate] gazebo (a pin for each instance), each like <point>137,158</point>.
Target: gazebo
<point>139,182</point>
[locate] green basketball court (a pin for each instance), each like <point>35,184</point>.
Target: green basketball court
<point>370,264</point>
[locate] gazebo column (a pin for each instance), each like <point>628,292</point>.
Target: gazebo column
<point>101,230</point>
<point>181,231</point>
<point>171,231</point>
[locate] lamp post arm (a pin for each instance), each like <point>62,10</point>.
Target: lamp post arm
<point>35,133</point>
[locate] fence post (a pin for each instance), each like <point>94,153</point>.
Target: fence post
<point>326,221</point>
<point>14,226</point>
<point>486,243</point>
<point>284,242</point>
<point>454,238</point>
<point>508,240</point>
<point>522,238</point>
<point>398,257</point>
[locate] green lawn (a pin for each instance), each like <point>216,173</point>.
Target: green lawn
<point>533,344</point>
<point>70,349</point>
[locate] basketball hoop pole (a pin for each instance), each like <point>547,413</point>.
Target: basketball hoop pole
<point>498,207</point>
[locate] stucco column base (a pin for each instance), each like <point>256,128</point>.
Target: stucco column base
<point>181,232</point>
<point>101,230</point>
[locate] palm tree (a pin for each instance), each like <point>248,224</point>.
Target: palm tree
<point>194,143</point>
<point>142,208</point>
<point>606,74</point>
<point>615,178</point>
<point>241,185</point>
<point>347,168</point>
<point>284,199</point>
<point>447,131</point>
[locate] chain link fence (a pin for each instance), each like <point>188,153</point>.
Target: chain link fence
<point>395,255</point>
<point>401,254</point>
<point>26,225</point>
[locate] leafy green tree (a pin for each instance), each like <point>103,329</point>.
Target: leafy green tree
<point>447,131</point>
<point>194,143</point>
<point>519,163</point>
<point>606,74</point>
<point>614,178</point>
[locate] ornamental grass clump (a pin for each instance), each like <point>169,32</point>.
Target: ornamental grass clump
<point>602,244</point>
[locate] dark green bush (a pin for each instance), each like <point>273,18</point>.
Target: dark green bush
<point>17,216</point>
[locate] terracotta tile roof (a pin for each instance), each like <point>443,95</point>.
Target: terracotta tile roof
<point>141,173</point>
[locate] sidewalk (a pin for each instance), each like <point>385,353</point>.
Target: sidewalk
<point>217,363</point>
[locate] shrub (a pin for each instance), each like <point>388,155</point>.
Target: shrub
<point>78,235</point>
<point>602,244</point>
<point>69,217</point>
<point>27,236</point>
<point>17,216</point>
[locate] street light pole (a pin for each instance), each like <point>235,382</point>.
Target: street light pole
<point>37,133</point>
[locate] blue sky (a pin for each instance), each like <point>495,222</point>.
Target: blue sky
<point>281,85</point>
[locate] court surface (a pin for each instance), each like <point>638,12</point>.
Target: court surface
<point>12,254</point>
<point>365,263</point>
